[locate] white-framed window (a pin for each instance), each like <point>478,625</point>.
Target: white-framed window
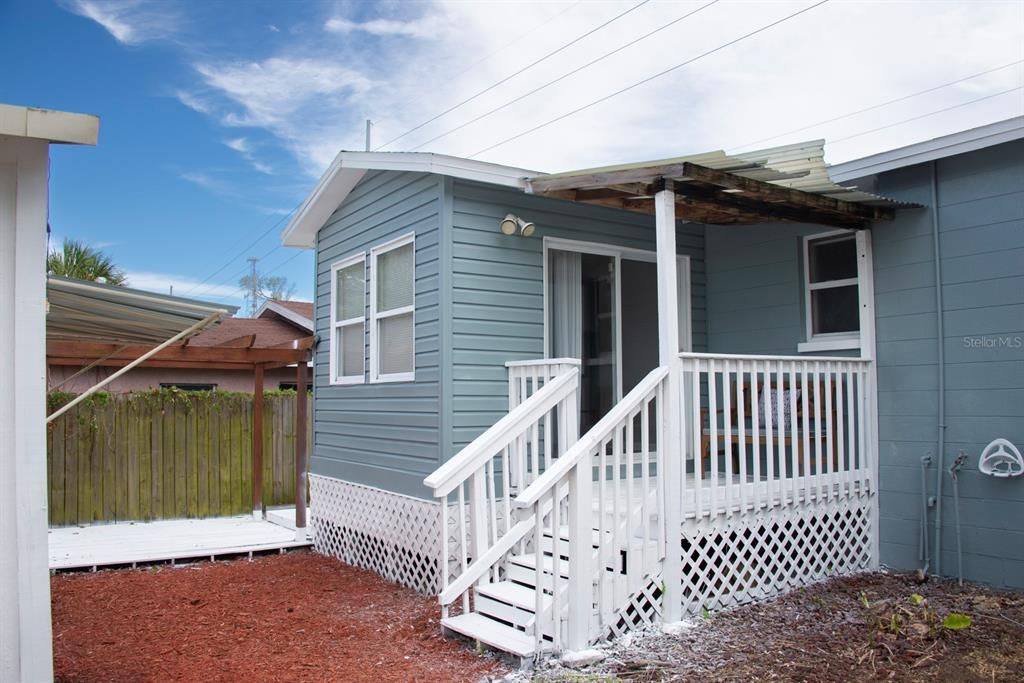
<point>348,320</point>
<point>832,308</point>
<point>392,310</point>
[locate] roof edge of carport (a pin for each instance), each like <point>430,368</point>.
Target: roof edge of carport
<point>348,168</point>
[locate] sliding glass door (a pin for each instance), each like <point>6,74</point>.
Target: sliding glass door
<point>602,308</point>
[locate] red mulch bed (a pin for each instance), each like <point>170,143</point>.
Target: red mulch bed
<point>294,617</point>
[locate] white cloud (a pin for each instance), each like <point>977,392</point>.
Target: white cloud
<point>245,148</point>
<point>240,145</point>
<point>314,93</point>
<point>305,102</point>
<point>208,182</point>
<point>183,286</point>
<point>427,27</point>
<point>129,21</point>
<point>193,102</point>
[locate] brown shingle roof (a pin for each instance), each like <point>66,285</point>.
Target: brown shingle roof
<point>269,332</point>
<point>303,308</point>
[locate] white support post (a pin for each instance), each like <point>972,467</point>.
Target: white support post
<point>671,433</point>
<point>866,296</point>
<point>478,522</point>
<point>25,631</point>
<point>581,573</point>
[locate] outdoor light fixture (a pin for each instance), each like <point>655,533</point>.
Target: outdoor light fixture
<point>513,223</point>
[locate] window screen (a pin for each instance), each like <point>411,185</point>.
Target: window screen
<point>349,324</point>
<point>394,293</point>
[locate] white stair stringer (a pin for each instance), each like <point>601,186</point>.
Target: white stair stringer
<point>503,612</point>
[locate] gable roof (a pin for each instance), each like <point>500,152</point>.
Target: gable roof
<point>298,313</point>
<point>930,150</point>
<point>348,168</point>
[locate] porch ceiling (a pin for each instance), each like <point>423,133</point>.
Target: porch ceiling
<point>781,184</point>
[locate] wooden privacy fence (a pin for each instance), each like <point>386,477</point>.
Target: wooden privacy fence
<point>166,455</point>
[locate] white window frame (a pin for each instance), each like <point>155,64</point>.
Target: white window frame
<point>376,376</point>
<point>336,325</point>
<point>832,341</point>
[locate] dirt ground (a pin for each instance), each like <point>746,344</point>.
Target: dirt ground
<point>871,627</point>
<point>294,617</point>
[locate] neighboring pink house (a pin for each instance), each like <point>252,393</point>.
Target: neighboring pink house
<point>276,323</point>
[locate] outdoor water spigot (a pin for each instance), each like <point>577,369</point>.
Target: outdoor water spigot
<point>958,463</point>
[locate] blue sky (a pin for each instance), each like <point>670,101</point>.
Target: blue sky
<point>217,117</point>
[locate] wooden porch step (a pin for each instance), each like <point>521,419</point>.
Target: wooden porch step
<point>515,594</point>
<point>522,568</point>
<point>490,632</point>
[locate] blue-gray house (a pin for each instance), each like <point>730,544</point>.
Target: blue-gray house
<point>571,404</point>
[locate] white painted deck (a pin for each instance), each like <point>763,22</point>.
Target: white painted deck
<point>105,545</point>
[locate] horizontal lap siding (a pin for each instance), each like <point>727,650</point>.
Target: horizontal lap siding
<point>755,287</point>
<point>382,435</point>
<point>497,298</point>
<point>981,228</point>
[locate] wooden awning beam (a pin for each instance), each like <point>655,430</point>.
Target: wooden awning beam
<point>88,351</point>
<point>713,196</point>
<point>769,192</point>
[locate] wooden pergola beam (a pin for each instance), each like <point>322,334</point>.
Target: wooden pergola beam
<point>87,351</point>
<point>769,192</point>
<point>741,205</point>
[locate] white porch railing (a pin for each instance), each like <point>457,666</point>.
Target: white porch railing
<point>510,451</point>
<point>613,466</point>
<point>525,377</point>
<point>770,431</point>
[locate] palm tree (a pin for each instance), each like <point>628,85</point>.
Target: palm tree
<point>82,262</point>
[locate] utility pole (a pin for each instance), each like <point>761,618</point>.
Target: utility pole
<point>369,127</point>
<point>253,287</point>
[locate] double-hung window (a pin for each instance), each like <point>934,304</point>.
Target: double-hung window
<point>392,310</point>
<point>832,292</point>
<point>348,320</point>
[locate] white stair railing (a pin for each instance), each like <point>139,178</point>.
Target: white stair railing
<point>525,377</point>
<point>530,453</point>
<point>614,466</point>
<point>473,485</point>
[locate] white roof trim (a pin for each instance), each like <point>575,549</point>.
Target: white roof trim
<point>348,168</point>
<point>50,125</point>
<point>930,150</point>
<point>286,313</point>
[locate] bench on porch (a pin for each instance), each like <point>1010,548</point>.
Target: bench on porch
<point>754,416</point>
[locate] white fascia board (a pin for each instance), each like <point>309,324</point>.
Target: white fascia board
<point>930,150</point>
<point>286,313</point>
<point>49,125</point>
<point>348,168</point>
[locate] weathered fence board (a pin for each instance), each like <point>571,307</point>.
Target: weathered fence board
<point>138,457</point>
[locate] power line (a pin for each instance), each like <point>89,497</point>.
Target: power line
<point>513,75</point>
<point>243,252</point>
<point>235,279</point>
<point>519,38</point>
<point>648,79</point>
<point>931,113</point>
<point>565,75</point>
<point>880,105</point>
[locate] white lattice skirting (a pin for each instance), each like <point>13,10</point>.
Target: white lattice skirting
<point>745,558</point>
<point>396,536</point>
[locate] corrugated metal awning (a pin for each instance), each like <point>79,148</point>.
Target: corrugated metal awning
<point>788,183</point>
<point>99,312</point>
